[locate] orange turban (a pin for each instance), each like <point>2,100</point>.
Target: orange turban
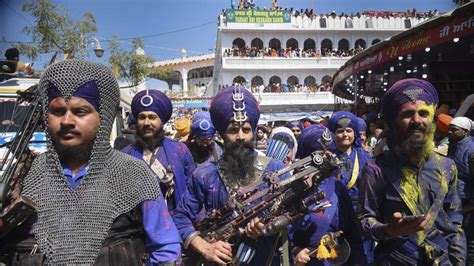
<point>442,122</point>
<point>182,126</point>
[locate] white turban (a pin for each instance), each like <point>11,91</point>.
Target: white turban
<point>462,122</point>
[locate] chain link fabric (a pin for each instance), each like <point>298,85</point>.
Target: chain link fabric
<point>73,224</point>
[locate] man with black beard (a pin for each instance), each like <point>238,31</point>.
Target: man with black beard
<point>201,141</point>
<point>234,113</point>
<point>94,205</point>
<point>170,160</point>
<point>409,200</point>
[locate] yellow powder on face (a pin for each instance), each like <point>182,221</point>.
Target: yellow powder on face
<point>429,145</point>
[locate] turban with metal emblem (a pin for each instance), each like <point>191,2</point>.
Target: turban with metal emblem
<point>406,90</point>
<point>343,119</point>
<point>152,100</point>
<point>234,104</point>
<point>310,141</point>
<point>202,125</point>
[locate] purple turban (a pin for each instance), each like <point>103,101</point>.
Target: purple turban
<point>407,90</point>
<point>152,100</point>
<point>361,125</point>
<point>293,124</point>
<point>309,141</point>
<point>88,91</point>
<point>234,103</point>
<point>202,125</point>
<point>343,119</point>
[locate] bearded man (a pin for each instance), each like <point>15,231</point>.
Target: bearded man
<point>95,205</point>
<point>170,160</point>
<point>409,195</point>
<point>234,113</point>
<point>201,141</point>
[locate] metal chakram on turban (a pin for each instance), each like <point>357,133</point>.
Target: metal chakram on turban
<point>345,119</point>
<point>407,90</point>
<point>234,104</point>
<point>311,141</point>
<point>72,224</point>
<point>202,125</point>
<point>152,100</point>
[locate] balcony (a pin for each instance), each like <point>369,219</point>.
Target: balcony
<point>282,63</point>
<point>296,102</point>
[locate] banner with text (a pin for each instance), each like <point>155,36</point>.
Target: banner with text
<point>257,16</point>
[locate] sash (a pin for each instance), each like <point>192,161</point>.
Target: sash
<point>355,172</point>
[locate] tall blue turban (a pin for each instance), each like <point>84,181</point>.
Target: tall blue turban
<point>234,103</point>
<point>293,124</point>
<point>309,141</point>
<point>202,125</point>
<point>343,119</point>
<point>361,125</point>
<point>152,100</point>
<point>406,90</point>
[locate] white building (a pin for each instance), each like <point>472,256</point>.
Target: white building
<point>307,51</point>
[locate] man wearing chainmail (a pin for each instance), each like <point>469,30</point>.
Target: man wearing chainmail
<point>170,160</point>
<point>234,113</point>
<point>95,205</point>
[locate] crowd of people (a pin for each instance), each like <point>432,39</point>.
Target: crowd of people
<point>397,202</point>
<point>290,52</point>
<point>284,88</point>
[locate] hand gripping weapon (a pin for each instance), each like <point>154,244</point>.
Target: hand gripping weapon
<point>17,160</point>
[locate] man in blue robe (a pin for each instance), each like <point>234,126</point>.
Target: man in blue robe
<point>234,113</point>
<point>409,195</point>
<point>170,160</point>
<point>305,234</point>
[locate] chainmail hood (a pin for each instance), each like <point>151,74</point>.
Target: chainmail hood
<point>72,224</point>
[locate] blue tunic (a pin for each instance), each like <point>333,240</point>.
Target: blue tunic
<point>162,239</point>
<point>172,155</point>
<point>460,154</point>
<point>307,232</point>
<point>382,193</point>
<point>206,191</point>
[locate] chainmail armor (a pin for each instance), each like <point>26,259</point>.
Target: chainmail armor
<point>73,224</point>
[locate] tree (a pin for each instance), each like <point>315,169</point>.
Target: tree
<point>130,66</point>
<point>55,31</point>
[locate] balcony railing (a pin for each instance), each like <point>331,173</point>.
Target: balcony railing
<point>282,63</point>
<point>295,98</point>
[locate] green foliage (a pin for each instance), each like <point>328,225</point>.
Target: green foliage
<point>55,30</point>
<point>128,65</point>
<point>161,73</point>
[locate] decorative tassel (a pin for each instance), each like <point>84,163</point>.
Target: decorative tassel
<point>323,252</point>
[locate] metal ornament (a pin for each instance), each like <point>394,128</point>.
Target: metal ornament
<point>204,125</point>
<point>413,93</point>
<point>240,115</point>
<point>148,98</point>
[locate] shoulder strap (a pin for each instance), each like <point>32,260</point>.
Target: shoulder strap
<point>355,172</point>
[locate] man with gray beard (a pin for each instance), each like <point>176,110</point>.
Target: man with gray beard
<point>95,205</point>
<point>234,113</point>
<point>408,197</point>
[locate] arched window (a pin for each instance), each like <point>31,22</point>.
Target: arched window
<point>239,80</point>
<point>257,43</point>
<point>275,44</point>
<point>360,43</point>
<point>309,44</point>
<point>310,81</point>
<point>275,80</point>
<point>325,79</point>
<point>326,44</point>
<point>257,81</point>
<point>238,43</point>
<point>343,45</point>
<point>292,80</point>
<point>293,43</point>
<point>375,41</point>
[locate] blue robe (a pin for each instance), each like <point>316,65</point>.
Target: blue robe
<point>382,194</point>
<point>307,232</point>
<point>206,191</point>
<point>460,153</point>
<point>175,156</point>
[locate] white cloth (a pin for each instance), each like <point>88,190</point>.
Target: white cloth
<point>462,122</point>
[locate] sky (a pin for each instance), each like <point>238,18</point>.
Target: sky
<point>172,25</point>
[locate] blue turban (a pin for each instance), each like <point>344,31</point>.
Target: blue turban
<point>202,125</point>
<point>223,104</point>
<point>88,91</point>
<point>407,90</point>
<point>361,125</point>
<point>293,124</point>
<point>343,119</point>
<point>155,101</point>
<point>309,141</point>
